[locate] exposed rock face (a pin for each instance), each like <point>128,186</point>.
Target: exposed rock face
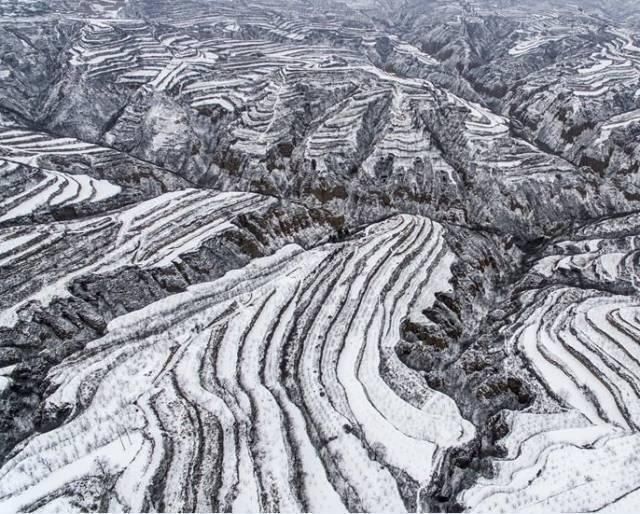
<point>305,256</point>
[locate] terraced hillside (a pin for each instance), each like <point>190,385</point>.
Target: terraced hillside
<point>310,256</point>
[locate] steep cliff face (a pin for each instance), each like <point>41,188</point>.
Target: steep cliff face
<point>318,257</point>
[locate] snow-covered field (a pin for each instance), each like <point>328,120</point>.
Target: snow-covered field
<point>279,364</point>
<point>318,256</point>
<point>151,234</point>
<point>582,344</point>
<point>57,189</point>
